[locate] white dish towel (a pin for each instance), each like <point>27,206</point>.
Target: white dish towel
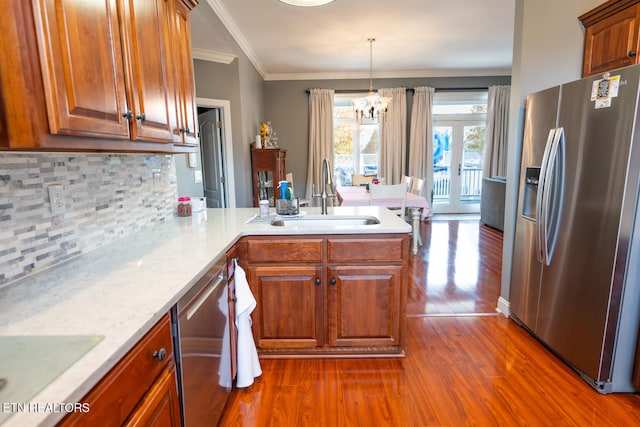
<point>248,362</point>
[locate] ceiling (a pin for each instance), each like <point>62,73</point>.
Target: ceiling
<point>414,38</point>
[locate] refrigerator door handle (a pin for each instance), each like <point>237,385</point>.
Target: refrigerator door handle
<point>555,160</point>
<point>541,220</point>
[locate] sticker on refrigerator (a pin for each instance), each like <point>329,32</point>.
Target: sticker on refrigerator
<point>603,90</point>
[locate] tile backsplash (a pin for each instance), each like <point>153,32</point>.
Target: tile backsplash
<point>105,196</point>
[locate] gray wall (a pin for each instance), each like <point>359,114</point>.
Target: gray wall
<point>286,106</point>
<point>186,178</point>
<point>241,85</point>
<point>548,47</point>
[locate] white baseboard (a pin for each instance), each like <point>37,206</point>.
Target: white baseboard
<point>503,307</point>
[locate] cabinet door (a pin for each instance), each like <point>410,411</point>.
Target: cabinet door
<point>160,406</point>
<point>186,131</point>
<point>290,306</point>
<point>81,62</point>
<point>364,306</point>
<point>4,137</point>
<point>147,69</point>
<point>119,393</point>
<point>612,42</point>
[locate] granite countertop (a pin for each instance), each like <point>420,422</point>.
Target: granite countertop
<point>114,294</point>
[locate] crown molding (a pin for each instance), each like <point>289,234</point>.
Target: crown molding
<point>237,35</point>
<point>391,74</point>
<point>213,56</point>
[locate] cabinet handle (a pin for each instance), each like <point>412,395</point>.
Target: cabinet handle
<point>128,115</point>
<point>318,281</point>
<point>632,53</point>
<point>160,354</point>
<point>141,117</point>
<point>332,281</point>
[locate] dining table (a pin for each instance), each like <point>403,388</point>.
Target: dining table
<point>357,195</point>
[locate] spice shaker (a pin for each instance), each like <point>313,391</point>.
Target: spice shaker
<point>184,206</point>
<point>264,208</point>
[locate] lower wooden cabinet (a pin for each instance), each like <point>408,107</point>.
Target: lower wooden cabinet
<point>160,406</point>
<point>364,305</point>
<point>140,390</point>
<point>290,306</point>
<point>332,296</point>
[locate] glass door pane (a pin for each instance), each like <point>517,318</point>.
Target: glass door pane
<point>442,164</point>
<point>265,187</point>
<point>343,158</point>
<point>458,149</point>
<point>471,165</point>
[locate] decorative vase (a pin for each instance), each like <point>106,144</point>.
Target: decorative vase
<point>265,133</point>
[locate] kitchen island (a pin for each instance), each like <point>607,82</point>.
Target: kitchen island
<point>114,295</point>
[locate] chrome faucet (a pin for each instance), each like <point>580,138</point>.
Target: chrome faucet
<point>326,180</point>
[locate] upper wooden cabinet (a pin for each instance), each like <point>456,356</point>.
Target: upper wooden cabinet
<point>612,38</point>
<point>148,71</point>
<point>94,76</point>
<point>104,68</point>
<point>185,129</point>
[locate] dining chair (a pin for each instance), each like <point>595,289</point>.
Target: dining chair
<point>394,196</point>
<point>408,180</point>
<point>398,193</point>
<point>417,186</point>
<point>357,179</point>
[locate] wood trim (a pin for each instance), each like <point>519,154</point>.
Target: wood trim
<point>190,4</point>
<point>605,10</point>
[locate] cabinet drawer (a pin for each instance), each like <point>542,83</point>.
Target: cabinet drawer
<point>285,250</point>
<point>388,249</point>
<point>114,398</point>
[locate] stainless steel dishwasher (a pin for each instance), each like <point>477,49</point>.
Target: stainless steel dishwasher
<point>202,348</point>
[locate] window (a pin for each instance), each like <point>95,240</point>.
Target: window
<point>356,145</point>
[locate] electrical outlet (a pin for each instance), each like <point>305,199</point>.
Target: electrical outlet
<point>157,179</point>
<point>56,198</point>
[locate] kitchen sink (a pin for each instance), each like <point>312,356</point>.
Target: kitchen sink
<point>325,221</point>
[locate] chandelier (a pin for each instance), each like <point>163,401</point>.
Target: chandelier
<point>306,2</point>
<point>373,106</point>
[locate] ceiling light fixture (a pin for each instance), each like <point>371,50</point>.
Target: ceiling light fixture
<point>373,106</point>
<point>306,2</point>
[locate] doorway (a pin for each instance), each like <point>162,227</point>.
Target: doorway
<point>210,128</point>
<point>216,151</point>
<point>458,147</point>
<point>459,125</point>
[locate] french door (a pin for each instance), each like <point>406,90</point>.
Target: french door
<point>458,153</point>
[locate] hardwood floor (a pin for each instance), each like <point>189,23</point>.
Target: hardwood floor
<point>465,365</point>
<point>457,270</point>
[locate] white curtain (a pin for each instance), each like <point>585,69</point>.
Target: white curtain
<point>495,151</point>
<point>320,135</point>
<point>393,136</point>
<point>421,138</point>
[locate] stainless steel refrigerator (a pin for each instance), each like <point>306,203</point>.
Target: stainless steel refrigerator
<point>575,280</point>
